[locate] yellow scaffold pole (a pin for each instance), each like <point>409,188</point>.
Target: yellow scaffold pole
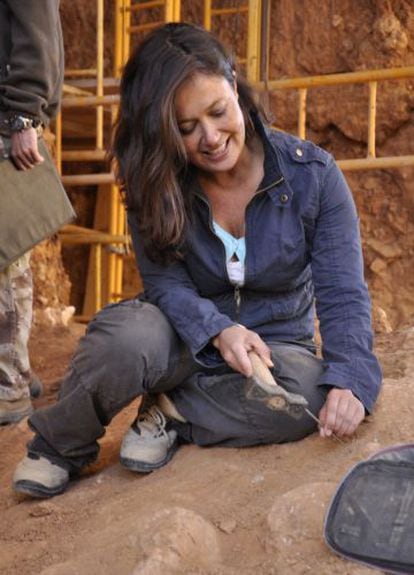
<point>253,41</point>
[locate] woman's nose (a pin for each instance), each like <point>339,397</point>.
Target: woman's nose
<point>211,135</point>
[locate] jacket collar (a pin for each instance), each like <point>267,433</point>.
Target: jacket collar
<point>272,171</point>
<point>273,182</point>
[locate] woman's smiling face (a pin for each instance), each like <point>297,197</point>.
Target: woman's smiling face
<point>211,122</point>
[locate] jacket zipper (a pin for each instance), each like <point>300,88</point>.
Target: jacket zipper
<point>237,290</point>
<point>237,300</point>
<point>210,225</point>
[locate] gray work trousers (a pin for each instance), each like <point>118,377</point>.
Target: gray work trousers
<point>131,349</point>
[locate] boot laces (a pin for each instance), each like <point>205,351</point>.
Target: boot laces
<point>153,420</point>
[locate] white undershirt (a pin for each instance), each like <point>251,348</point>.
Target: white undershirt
<point>235,254</point>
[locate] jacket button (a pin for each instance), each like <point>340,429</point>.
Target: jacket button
<point>284,198</point>
<point>299,152</point>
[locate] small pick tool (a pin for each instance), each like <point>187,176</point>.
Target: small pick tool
<point>275,397</point>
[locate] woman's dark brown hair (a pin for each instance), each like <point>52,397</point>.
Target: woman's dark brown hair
<point>151,159</point>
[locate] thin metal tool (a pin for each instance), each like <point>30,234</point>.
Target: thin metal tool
<point>318,421</point>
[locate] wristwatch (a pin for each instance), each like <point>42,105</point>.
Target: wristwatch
<point>18,123</point>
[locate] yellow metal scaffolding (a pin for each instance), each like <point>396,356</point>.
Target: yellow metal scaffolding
<point>89,89</point>
<point>369,77</point>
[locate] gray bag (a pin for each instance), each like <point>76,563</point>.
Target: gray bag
<point>33,204</point>
<point>371,516</point>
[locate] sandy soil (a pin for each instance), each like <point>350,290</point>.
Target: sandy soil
<point>239,511</point>
<point>210,511</point>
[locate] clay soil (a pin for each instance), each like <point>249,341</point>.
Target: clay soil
<point>239,511</point>
<point>210,511</point>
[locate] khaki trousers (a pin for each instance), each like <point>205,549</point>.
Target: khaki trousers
<point>16,299</point>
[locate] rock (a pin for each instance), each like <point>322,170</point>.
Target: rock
<point>388,250</point>
<point>296,520</point>
<point>258,478</point>
<point>371,448</point>
<point>390,34</point>
<point>378,266</point>
<point>176,539</point>
<point>43,509</point>
<point>380,320</point>
<point>227,525</point>
<point>337,21</point>
<point>54,316</point>
<point>66,568</point>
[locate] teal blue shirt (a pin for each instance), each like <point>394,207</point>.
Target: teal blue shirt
<point>235,254</point>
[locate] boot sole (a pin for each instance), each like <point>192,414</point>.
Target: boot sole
<point>15,417</point>
<point>37,489</point>
<point>36,390</point>
<point>145,467</point>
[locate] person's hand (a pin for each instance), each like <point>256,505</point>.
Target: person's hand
<point>235,342</point>
<point>24,150</point>
<point>341,414</point>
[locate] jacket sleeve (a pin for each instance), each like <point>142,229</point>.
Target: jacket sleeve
<point>195,319</point>
<point>342,300</point>
<point>36,65</point>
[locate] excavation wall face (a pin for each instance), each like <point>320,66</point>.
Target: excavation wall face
<point>310,38</point>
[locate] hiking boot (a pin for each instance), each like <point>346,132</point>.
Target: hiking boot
<point>35,386</point>
<point>148,445</point>
<point>14,411</point>
<point>39,477</point>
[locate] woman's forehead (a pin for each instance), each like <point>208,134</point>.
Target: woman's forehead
<point>200,91</point>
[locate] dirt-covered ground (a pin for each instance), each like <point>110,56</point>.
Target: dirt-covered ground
<point>237,511</point>
<point>210,511</point>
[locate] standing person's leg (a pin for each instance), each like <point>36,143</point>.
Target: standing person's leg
<point>129,349</point>
<point>16,299</point>
<point>222,410</point>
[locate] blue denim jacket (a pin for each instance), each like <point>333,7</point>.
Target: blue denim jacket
<point>302,246</point>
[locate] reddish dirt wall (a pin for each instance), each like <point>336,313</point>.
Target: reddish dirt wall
<point>309,38</point>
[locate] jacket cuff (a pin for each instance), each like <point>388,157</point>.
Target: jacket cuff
<point>365,386</point>
<point>205,353</point>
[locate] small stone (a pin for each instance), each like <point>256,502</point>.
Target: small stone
<point>175,539</point>
<point>258,478</point>
<point>389,251</point>
<point>378,266</point>
<point>227,525</point>
<point>380,320</point>
<point>42,509</point>
<point>337,21</point>
<point>371,447</point>
<point>295,520</point>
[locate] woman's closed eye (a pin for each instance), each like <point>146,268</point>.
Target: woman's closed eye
<point>218,112</point>
<point>186,129</point>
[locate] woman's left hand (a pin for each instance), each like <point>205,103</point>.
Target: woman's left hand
<point>341,414</point>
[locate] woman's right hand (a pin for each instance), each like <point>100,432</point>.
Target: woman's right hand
<point>24,150</point>
<point>235,342</point>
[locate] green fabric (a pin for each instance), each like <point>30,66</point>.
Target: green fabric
<point>33,205</point>
<point>31,58</point>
